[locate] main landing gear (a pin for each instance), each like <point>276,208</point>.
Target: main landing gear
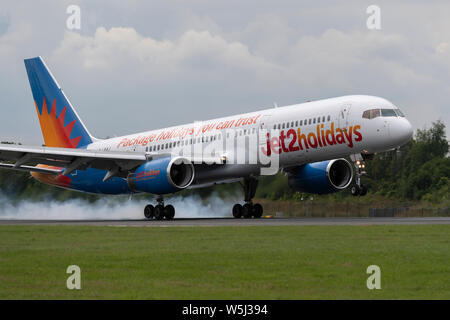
<point>160,211</point>
<point>248,210</point>
<point>358,189</point>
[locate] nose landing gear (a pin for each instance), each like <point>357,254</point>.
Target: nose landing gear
<point>248,210</point>
<point>358,189</point>
<point>160,211</point>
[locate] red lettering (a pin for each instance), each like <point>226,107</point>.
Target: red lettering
<point>268,151</point>
<point>329,133</point>
<point>357,133</point>
<point>282,137</point>
<point>275,145</point>
<point>318,135</point>
<point>348,135</point>
<point>340,136</point>
<point>291,132</point>
<point>300,138</point>
<point>312,135</point>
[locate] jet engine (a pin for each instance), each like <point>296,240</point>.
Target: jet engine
<point>162,176</point>
<point>321,177</point>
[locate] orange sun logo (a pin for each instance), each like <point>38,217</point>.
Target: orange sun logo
<point>53,129</point>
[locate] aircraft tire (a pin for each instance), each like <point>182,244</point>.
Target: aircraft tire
<point>247,211</point>
<point>354,190</point>
<point>169,212</point>
<point>149,211</point>
<point>159,212</point>
<point>257,210</point>
<point>237,211</point>
<point>363,190</point>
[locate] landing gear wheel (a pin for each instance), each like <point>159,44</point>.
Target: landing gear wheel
<point>354,190</point>
<point>247,211</point>
<point>159,212</point>
<point>257,210</point>
<point>149,211</point>
<point>169,212</point>
<point>237,211</point>
<point>359,189</point>
<point>363,190</point>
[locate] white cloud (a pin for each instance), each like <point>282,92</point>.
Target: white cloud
<point>125,47</point>
<point>170,63</point>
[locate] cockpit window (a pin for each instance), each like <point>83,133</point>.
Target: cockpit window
<point>388,113</point>
<point>399,113</point>
<point>371,114</point>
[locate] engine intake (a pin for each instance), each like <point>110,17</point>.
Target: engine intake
<point>321,177</point>
<point>162,176</point>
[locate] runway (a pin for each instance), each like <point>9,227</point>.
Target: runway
<point>217,222</point>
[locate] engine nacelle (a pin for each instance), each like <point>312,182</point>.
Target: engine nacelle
<point>321,177</point>
<point>162,176</point>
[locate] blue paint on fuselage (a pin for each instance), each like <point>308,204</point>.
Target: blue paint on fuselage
<point>91,180</point>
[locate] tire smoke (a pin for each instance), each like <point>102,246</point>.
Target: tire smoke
<point>111,209</point>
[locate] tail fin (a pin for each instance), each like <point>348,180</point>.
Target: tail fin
<point>60,124</point>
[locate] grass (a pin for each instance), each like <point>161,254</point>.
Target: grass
<point>295,262</point>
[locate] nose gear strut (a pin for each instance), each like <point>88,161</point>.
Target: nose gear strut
<point>358,189</point>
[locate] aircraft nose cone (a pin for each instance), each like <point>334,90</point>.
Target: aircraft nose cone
<point>401,130</point>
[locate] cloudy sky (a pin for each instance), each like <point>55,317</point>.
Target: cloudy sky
<point>139,65</point>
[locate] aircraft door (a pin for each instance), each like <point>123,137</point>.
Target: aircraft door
<point>263,129</point>
<point>343,118</point>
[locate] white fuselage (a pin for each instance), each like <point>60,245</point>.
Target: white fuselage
<point>302,133</point>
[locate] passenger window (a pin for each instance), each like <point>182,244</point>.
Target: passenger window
<point>296,123</point>
<point>314,120</point>
<point>329,118</point>
<point>301,122</point>
<point>283,126</point>
<point>323,119</point>
<point>292,124</point>
<point>309,121</point>
<point>318,120</point>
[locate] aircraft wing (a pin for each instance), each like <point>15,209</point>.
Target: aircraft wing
<point>65,160</point>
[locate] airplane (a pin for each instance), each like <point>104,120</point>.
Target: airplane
<point>313,143</point>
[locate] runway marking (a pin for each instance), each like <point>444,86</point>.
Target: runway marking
<point>216,222</point>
